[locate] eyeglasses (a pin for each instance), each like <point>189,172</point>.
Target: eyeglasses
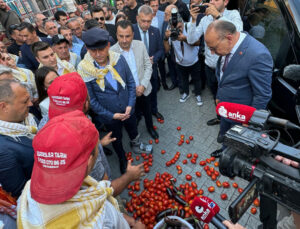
<point>99,18</point>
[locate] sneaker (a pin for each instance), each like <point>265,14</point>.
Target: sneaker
<point>199,100</point>
<point>184,98</point>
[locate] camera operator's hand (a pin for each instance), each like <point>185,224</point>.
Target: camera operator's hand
<point>181,37</point>
<point>287,161</point>
<point>230,225</point>
<point>167,34</point>
<point>194,13</point>
<point>212,10</point>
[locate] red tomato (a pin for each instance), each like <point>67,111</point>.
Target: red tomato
<point>179,143</point>
<point>212,159</point>
<point>195,155</point>
<point>194,185</point>
<point>137,158</point>
<point>211,169</point>
<point>193,161</point>
<point>187,141</point>
<point>162,121</point>
<point>191,138</point>
<point>202,163</point>
<point>216,173</point>
<point>189,155</point>
<point>182,137</point>
<point>188,177</point>
<point>240,190</point>
<point>206,226</point>
<point>208,173</point>
<point>163,151</point>
<point>216,164</point>
<point>178,167</point>
<point>218,183</point>
<point>155,127</point>
<point>211,189</point>
<point>150,142</point>
<point>225,184</point>
<point>200,192</point>
<point>179,171</point>
<point>206,168</point>
<point>213,177</point>
<point>168,163</point>
<point>184,162</point>
<point>224,196</point>
<point>178,128</point>
<point>157,141</point>
<point>253,211</point>
<point>235,185</point>
<point>198,174</point>
<point>147,170</point>
<point>256,202</point>
<point>208,160</point>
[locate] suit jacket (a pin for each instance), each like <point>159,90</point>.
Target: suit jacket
<point>28,59</point>
<point>156,47</point>
<point>248,76</point>
<point>108,102</point>
<point>143,64</point>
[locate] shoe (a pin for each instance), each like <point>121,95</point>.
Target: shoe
<point>165,86</point>
<point>140,147</point>
<point>153,133</point>
<point>107,151</point>
<point>159,116</point>
<point>184,98</point>
<point>217,153</point>
<point>172,87</point>
<point>213,121</point>
<point>199,100</point>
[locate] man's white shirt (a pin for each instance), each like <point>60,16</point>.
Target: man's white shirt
<point>194,33</point>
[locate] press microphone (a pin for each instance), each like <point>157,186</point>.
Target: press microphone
<point>207,211</point>
<point>249,115</point>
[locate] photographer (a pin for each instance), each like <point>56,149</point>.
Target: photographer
<point>186,56</point>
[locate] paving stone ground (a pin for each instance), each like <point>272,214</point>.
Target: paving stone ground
<point>192,119</point>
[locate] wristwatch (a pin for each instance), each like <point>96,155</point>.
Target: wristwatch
<point>218,17</point>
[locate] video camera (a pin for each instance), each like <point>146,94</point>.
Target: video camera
<point>250,155</point>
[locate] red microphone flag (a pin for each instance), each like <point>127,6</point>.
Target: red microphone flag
<point>235,112</point>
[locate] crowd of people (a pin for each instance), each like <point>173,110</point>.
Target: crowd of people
<point>66,79</point>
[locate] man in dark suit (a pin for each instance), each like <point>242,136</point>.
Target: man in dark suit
<point>244,69</point>
<point>150,35</point>
<point>29,36</point>
<point>112,91</point>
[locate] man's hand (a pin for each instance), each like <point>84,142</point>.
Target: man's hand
<point>211,10</point>
<point>151,59</point>
<point>118,116</point>
<point>181,37</point>
<point>287,161</point>
<point>130,220</point>
<point>140,90</point>
<point>107,139</point>
<point>139,225</point>
<point>194,13</point>
<point>167,34</point>
<point>230,225</point>
<point>135,172</point>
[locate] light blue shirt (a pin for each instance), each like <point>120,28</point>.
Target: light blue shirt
<point>77,40</point>
<point>130,59</point>
<point>76,48</point>
<point>142,36</point>
<point>108,77</point>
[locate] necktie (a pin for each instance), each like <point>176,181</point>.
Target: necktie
<point>226,62</point>
<point>146,41</point>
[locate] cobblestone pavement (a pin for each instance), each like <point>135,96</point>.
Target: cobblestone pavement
<point>192,120</point>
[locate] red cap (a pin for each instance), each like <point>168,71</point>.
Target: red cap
<point>66,93</point>
<point>61,152</point>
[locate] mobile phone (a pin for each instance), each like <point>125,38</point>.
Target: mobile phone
<point>240,205</point>
<point>202,8</point>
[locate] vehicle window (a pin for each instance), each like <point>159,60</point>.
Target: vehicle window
<point>263,20</point>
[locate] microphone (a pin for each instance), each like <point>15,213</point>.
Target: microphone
<point>249,115</point>
<point>207,211</point>
<point>292,72</point>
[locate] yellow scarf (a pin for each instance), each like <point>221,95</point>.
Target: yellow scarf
<point>68,68</point>
<point>87,209</point>
<point>88,71</point>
